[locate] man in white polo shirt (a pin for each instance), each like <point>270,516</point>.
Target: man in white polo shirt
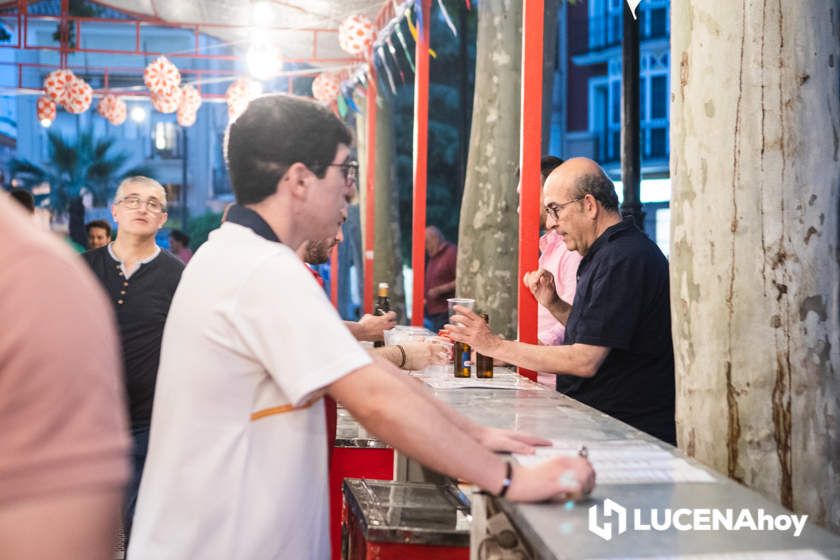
<point>237,462</point>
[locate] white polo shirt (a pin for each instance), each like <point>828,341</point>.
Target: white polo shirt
<point>237,465</point>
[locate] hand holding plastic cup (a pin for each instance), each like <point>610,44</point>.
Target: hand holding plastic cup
<point>463,302</point>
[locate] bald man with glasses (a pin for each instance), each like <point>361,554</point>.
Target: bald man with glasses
<point>140,279</point>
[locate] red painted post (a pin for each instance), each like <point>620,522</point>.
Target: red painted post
<point>530,152</point>
<point>334,276</point>
<point>370,190</point>
<point>421,156</point>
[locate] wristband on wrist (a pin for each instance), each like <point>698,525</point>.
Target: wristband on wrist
<point>402,353</point>
<point>507,481</point>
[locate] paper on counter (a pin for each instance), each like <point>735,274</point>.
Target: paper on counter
<point>472,383</point>
<point>625,462</point>
<point>803,554</point>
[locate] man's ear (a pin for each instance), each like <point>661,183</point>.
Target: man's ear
<point>297,179</point>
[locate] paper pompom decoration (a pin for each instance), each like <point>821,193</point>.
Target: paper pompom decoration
<point>80,96</point>
<point>161,76</point>
<point>356,34</point>
<point>168,101</point>
<point>46,109</point>
<point>112,108</point>
<point>325,87</point>
<point>239,94</point>
<point>190,99</point>
<point>57,85</point>
<point>186,118</point>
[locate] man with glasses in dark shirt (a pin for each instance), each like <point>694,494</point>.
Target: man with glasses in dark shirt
<point>618,344</point>
<point>140,279</point>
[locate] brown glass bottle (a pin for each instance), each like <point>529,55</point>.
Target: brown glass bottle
<point>383,306</point>
<point>483,364</point>
<point>463,365</point>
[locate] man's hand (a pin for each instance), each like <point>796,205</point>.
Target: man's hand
<point>541,284</point>
<point>371,326</point>
<point>561,478</point>
<point>419,355</point>
<point>510,441</point>
<point>468,327</point>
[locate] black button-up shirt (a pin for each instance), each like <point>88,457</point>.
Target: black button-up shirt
<point>622,302</point>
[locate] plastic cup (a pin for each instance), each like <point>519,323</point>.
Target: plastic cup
<point>463,302</point>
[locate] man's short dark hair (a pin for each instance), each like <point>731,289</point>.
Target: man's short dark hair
<point>25,198</point>
<point>274,132</point>
<point>179,236</point>
<point>101,224</point>
<point>548,164</point>
<point>600,187</point>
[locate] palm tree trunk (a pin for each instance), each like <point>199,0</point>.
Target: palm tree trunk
<point>76,221</point>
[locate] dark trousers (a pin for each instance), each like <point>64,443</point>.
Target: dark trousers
<point>141,446</point>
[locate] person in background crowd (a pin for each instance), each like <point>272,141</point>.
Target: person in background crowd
<point>63,432</point>
<point>440,277</point>
<point>140,279</point>
<point>237,462</point>
<point>618,329</point>
<point>563,264</point>
<point>179,245</point>
<point>98,233</point>
<point>24,198</point>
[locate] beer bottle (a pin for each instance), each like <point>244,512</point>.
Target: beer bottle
<point>483,364</point>
<point>383,306</point>
<point>463,365</point>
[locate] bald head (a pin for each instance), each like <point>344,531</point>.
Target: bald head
<point>434,240</point>
<point>579,177</point>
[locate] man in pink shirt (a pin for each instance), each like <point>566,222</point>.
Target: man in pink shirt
<point>562,264</point>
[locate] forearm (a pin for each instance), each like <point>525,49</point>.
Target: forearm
<point>390,354</point>
<point>357,330</point>
<point>412,423</point>
<point>560,310</point>
<point>565,360</point>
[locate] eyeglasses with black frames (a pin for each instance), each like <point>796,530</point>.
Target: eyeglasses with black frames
<point>349,170</point>
<point>554,209</point>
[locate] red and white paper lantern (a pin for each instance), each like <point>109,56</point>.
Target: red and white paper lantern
<point>46,110</point>
<point>168,101</point>
<point>325,87</point>
<point>112,108</point>
<point>186,118</point>
<point>161,76</point>
<point>356,34</point>
<point>118,113</point>
<point>239,94</point>
<point>190,99</point>
<point>80,96</point>
<point>57,85</point>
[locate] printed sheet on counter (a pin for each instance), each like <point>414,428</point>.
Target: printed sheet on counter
<point>625,462</point>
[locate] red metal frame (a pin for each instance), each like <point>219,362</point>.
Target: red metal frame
<point>421,155</point>
<point>334,276</point>
<point>370,191</point>
<point>530,152</point>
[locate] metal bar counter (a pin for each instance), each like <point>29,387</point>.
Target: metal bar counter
<point>561,531</point>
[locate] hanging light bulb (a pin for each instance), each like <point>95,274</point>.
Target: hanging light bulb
<point>262,13</point>
<point>138,114</point>
<point>262,58</point>
<point>46,123</point>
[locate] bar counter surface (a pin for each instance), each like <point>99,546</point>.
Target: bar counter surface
<point>561,531</point>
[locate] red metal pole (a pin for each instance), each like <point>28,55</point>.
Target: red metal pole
<point>334,276</point>
<point>370,172</point>
<point>530,136</point>
<point>421,156</point>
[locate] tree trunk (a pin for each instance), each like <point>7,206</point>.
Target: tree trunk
<point>754,257</point>
<point>76,221</point>
<point>387,266</point>
<point>487,237</point>
<point>387,263</point>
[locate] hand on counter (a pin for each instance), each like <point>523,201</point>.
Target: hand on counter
<point>372,326</point>
<point>468,327</point>
<point>419,355</point>
<point>509,441</point>
<point>559,479</point>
